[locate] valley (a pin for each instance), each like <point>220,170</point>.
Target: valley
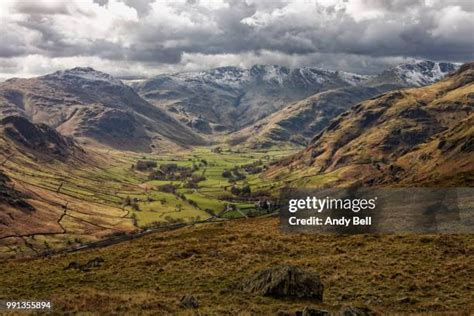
<point>112,201</point>
<point>78,187</point>
<point>85,199</point>
<point>221,157</point>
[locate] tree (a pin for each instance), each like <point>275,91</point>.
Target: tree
<point>246,190</point>
<point>235,190</point>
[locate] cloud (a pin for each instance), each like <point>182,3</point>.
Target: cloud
<point>149,36</point>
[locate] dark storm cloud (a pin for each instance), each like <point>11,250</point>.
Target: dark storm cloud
<point>353,34</point>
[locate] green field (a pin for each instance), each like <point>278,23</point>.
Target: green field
<point>88,199</point>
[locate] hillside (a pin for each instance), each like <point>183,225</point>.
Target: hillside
<point>297,123</point>
<point>416,136</point>
<point>85,103</point>
<point>39,139</point>
<point>228,99</point>
<point>388,274</point>
<point>52,192</point>
<point>56,194</point>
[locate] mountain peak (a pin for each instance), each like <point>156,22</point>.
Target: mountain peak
<point>423,72</point>
<point>85,73</point>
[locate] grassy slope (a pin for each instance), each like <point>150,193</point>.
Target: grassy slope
<point>389,273</point>
<point>95,190</point>
<point>93,209</point>
<point>210,192</point>
<point>400,130</point>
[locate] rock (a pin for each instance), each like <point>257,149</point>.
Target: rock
<point>72,265</point>
<point>94,263</point>
<point>185,254</point>
<point>285,281</point>
<point>356,311</point>
<point>407,300</point>
<point>308,311</point>
<point>188,301</point>
<point>86,267</point>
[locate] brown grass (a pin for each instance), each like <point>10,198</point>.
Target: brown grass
<point>429,274</point>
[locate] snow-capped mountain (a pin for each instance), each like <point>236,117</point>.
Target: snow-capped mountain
<point>229,98</point>
<point>234,77</point>
<point>86,74</point>
<point>417,74</point>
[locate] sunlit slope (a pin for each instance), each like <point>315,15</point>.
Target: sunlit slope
<point>56,193</point>
<point>68,198</point>
<point>412,136</point>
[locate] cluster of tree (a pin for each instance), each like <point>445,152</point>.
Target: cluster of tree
<point>171,172</point>
<point>167,188</point>
<point>254,167</point>
<point>132,202</point>
<point>233,175</point>
<point>198,163</point>
<point>217,150</point>
<point>144,165</point>
<point>193,203</point>
<point>266,205</point>
<point>192,182</point>
<point>244,191</point>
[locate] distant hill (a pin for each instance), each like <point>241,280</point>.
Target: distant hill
<point>412,136</point>
<point>415,74</point>
<point>298,122</point>
<point>229,98</point>
<point>86,103</point>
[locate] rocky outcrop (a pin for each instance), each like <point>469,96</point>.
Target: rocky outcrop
<point>285,281</point>
<point>188,301</point>
<point>38,138</point>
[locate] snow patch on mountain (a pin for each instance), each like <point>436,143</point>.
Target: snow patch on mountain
<point>422,73</point>
<point>235,77</point>
<point>84,73</point>
<point>353,79</point>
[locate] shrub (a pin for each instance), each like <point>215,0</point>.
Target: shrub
<point>168,188</point>
<point>143,165</point>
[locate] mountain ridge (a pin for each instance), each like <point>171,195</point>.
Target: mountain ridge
<point>228,99</point>
<point>295,123</point>
<point>394,137</point>
<point>83,102</point>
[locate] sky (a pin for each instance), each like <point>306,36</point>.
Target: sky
<point>142,38</point>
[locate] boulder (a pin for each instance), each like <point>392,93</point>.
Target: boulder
<point>308,311</point>
<point>356,311</point>
<point>285,281</point>
<point>188,301</point>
